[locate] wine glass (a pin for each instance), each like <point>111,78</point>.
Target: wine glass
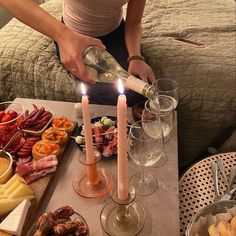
<point>145,151</point>
<point>169,88</point>
<point>161,114</point>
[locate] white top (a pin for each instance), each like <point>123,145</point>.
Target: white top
<point>93,17</point>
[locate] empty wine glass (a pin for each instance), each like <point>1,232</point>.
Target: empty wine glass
<point>169,88</point>
<point>145,151</point>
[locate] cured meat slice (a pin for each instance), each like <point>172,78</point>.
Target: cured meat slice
<point>38,174</point>
<point>30,167</point>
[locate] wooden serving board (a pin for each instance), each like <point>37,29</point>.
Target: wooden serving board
<point>40,188</point>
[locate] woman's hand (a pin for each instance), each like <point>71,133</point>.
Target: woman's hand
<point>142,70</point>
<point>72,46</point>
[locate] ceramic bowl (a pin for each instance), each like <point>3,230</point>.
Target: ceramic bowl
<point>7,173</point>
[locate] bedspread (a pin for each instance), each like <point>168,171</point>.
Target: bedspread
<point>30,68</point>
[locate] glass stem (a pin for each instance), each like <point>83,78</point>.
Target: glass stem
<point>123,214</point>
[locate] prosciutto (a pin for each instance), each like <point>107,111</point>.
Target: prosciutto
<point>30,167</point>
<point>111,148</point>
<point>38,174</point>
<point>34,170</point>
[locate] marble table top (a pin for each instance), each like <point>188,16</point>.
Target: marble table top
<point>162,207</point>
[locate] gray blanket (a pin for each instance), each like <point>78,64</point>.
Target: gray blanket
<point>30,68</point>
<point>206,76</point>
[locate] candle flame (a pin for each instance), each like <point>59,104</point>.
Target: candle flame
<point>83,89</point>
<point>120,86</point>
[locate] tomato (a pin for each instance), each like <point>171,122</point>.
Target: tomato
<point>6,118</point>
<point>12,113</point>
<point>2,113</point>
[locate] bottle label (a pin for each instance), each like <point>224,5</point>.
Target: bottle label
<point>135,84</point>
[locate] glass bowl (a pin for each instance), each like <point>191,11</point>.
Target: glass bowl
<point>76,215</point>
<point>211,214</point>
<point>10,115</point>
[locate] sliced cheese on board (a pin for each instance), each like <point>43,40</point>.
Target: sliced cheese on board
<point>7,205</point>
<point>3,195</point>
<point>1,188</point>
<point>14,222</point>
<point>20,191</point>
<point>11,181</point>
<point>13,186</point>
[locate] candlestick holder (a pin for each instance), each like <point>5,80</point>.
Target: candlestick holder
<point>126,218</point>
<point>95,182</point>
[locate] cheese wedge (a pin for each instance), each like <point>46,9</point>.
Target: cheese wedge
<point>20,191</point>
<point>14,222</point>
<point>213,230</point>
<point>233,224</point>
<point>225,228</point>
<point>7,205</point>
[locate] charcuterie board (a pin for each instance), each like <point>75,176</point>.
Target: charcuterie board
<point>37,151</point>
<point>40,188</point>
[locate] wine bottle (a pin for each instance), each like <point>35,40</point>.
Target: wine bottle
<point>105,64</point>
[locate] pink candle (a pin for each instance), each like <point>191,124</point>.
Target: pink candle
<point>123,185</point>
<point>91,169</point>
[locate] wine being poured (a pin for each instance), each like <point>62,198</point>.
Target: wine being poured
<point>103,62</point>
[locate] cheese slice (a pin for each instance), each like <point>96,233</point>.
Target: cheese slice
<point>14,222</point>
<point>20,191</point>
<point>3,196</point>
<point>11,181</point>
<point>13,186</point>
<point>8,204</point>
<point>1,188</point>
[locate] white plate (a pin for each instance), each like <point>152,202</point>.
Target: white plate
<point>39,132</point>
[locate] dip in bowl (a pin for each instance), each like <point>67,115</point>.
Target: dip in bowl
<point>6,170</point>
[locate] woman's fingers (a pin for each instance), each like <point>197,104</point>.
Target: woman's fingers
<point>144,78</point>
<point>84,74</point>
<point>151,77</point>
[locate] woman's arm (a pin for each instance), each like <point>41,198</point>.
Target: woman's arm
<point>34,16</point>
<point>133,33</point>
<point>133,21</point>
<point>71,44</point>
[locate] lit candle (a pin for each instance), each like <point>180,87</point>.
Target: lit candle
<point>123,185</point>
<point>91,169</point>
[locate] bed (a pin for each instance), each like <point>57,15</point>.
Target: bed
<point>30,68</point>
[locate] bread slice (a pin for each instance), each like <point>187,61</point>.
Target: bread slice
<point>213,230</point>
<point>225,228</point>
<point>233,225</point>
